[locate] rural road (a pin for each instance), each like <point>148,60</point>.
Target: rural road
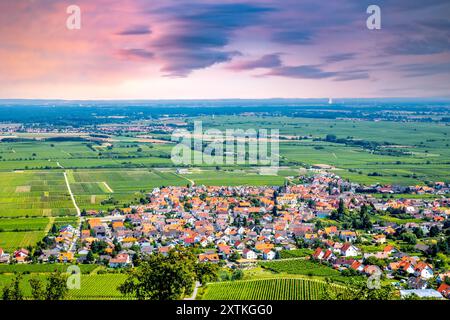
<point>74,240</point>
<point>71,195</point>
<point>194,294</point>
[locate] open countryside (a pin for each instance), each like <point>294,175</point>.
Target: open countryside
<point>356,193</point>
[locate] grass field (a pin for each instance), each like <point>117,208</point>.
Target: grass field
<point>267,289</point>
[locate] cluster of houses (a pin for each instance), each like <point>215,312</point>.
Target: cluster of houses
<point>238,225</point>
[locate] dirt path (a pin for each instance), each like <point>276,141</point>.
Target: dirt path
<point>194,294</point>
<point>71,195</point>
<point>75,238</point>
<point>107,187</point>
<point>192,182</point>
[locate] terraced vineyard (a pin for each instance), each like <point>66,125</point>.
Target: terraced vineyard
<point>267,289</point>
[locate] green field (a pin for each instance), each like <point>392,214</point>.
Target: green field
<point>30,201</point>
<point>413,152</point>
<point>43,268</point>
<point>92,287</point>
<point>34,194</point>
<point>422,148</point>
<point>267,289</point>
<point>91,187</point>
<point>233,178</point>
<point>23,224</point>
<point>297,253</point>
<point>14,240</point>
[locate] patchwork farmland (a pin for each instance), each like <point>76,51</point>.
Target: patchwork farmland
<point>30,202</point>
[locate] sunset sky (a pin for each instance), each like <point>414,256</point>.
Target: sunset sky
<point>193,49</point>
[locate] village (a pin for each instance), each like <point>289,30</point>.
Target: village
<point>405,240</point>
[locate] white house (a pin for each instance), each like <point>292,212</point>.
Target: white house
<point>249,254</point>
<point>268,254</point>
<point>423,270</point>
<point>349,250</point>
<point>121,260</point>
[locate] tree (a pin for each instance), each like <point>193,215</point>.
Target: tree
<point>99,246</point>
<point>207,272</point>
<point>237,274</point>
<point>341,208</point>
<point>37,289</point>
<point>13,291</point>
<point>375,261</point>
<point>90,257</point>
<point>365,219</point>
<point>418,232</point>
<point>234,256</point>
<point>319,225</point>
<point>434,231</point>
<point>409,238</point>
<point>56,288</point>
<point>150,280</point>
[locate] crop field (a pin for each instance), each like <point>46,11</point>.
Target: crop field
<point>23,224</point>
<point>91,187</point>
<point>13,240</point>
<point>34,194</point>
<point>99,286</point>
<point>267,289</point>
<point>29,202</point>
<point>233,178</point>
<point>423,147</point>
<point>92,287</point>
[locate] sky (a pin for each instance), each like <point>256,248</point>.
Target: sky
<point>214,49</point>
